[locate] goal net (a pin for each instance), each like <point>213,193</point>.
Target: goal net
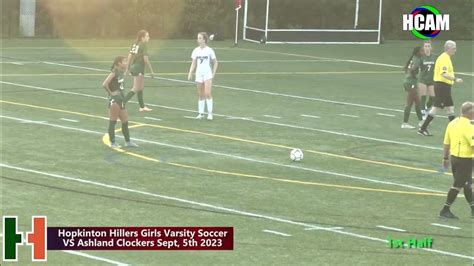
<point>312,21</point>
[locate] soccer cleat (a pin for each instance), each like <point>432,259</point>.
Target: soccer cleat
<point>210,116</point>
<point>145,109</point>
<point>407,126</point>
<point>130,144</point>
<point>424,133</point>
<point>114,145</point>
<point>199,116</point>
<point>447,214</point>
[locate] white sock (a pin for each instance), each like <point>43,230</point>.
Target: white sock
<point>201,105</point>
<point>210,105</point>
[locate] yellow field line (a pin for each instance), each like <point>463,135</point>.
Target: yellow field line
<point>106,141</point>
<point>237,139</point>
<point>220,73</point>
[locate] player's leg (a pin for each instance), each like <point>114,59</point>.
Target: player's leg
<point>201,98</point>
<point>431,95</point>
<point>422,90</point>
<point>139,85</point>
<point>114,110</point>
<point>438,104</point>
<point>408,105</point>
<point>133,91</point>
<point>467,173</point>
<point>208,97</point>
<point>125,131</point>
<point>458,183</point>
<point>418,106</point>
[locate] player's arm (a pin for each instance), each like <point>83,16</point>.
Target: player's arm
<point>191,69</point>
<point>147,62</point>
<point>215,64</point>
<point>106,82</point>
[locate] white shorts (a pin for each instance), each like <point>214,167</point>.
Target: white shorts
<point>201,77</point>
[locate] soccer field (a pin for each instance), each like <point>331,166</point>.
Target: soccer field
<point>362,181</point>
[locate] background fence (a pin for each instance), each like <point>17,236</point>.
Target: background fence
<point>183,18</point>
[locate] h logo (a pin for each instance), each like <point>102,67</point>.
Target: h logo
<point>36,238</point>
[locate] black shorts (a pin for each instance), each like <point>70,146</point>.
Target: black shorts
<point>442,95</point>
<point>462,171</point>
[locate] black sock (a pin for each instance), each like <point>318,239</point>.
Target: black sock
<point>452,194</point>
<point>451,118</point>
<point>406,114</point>
<point>430,102</point>
<point>418,112</point>
<point>125,131</point>
<point>112,131</point>
<point>128,96</point>
<point>427,122</point>
<point>140,99</point>
<point>468,195</point>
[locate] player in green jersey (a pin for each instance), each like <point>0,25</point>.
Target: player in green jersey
<point>426,83</point>
<point>138,58</point>
<point>113,84</point>
<point>410,83</point>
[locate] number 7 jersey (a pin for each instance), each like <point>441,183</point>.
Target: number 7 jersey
<point>204,57</point>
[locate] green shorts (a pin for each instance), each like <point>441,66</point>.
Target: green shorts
<point>137,70</point>
<point>427,82</point>
<point>117,99</point>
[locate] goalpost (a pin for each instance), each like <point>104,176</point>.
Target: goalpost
<point>312,34</point>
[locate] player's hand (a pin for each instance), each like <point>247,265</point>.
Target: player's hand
<point>445,164</point>
<point>458,80</point>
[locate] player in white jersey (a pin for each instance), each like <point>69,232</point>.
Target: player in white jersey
<point>205,64</point>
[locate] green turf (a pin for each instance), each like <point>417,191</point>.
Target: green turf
<point>358,172</point>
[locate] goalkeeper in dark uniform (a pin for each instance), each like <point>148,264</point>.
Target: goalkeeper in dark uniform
<point>113,84</point>
<point>137,59</point>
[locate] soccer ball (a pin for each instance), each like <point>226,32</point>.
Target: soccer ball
<point>296,155</point>
<point>211,37</point>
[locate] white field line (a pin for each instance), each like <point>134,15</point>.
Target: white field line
<point>17,63</point>
<point>70,120</point>
<point>275,232</point>
<point>336,59</point>
<point>316,228</point>
<point>152,118</point>
<point>446,226</point>
<point>77,253</point>
<point>235,156</point>
<point>311,116</point>
<point>353,116</point>
<point>186,116</point>
<point>391,228</point>
<point>248,90</point>
<point>88,256</point>
<point>382,114</point>
<point>221,208</point>
<point>272,116</point>
<point>245,119</point>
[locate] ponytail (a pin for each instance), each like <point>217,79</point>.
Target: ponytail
<point>416,50</point>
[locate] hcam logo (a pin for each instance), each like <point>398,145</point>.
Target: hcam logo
<point>36,238</point>
<point>425,22</point>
